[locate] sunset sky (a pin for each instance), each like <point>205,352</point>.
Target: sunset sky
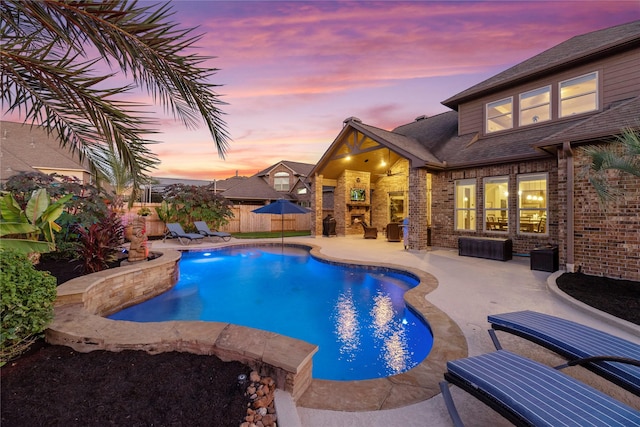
<point>292,71</point>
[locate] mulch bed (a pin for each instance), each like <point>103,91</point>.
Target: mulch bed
<point>620,298</point>
<point>56,386</point>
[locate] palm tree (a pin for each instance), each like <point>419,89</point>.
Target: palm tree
<point>51,49</point>
<point>623,155</point>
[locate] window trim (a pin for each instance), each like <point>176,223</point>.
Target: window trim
<point>596,92</point>
<point>457,184</point>
<point>281,175</point>
<point>487,118</point>
<point>520,109</point>
<point>532,177</point>
<point>494,179</point>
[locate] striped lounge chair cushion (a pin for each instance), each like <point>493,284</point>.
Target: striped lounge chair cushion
<point>574,341</point>
<point>537,394</point>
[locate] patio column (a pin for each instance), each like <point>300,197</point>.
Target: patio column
<point>316,205</point>
<point>418,209</point>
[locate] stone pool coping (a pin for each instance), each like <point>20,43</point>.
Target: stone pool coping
<point>82,302</point>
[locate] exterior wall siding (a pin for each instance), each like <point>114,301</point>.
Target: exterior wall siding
<point>443,204</point>
<point>619,78</point>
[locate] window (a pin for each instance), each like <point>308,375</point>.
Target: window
<point>532,203</point>
<point>496,204</point>
<point>465,204</point>
<point>500,115</point>
<point>302,190</point>
<point>535,106</point>
<point>579,95</point>
<point>281,181</point>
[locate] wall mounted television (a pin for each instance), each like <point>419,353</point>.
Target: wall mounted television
<point>358,195</point>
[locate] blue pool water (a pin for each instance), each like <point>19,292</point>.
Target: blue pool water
<point>356,316</point>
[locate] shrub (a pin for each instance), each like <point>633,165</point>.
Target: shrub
<point>26,307</point>
<point>98,244</point>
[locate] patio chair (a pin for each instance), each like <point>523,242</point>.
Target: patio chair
<point>176,231</point>
<point>203,229</point>
<point>528,393</point>
<point>369,232</point>
<point>613,358</point>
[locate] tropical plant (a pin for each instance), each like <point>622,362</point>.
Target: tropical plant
<point>144,211</point>
<point>26,303</point>
<point>21,229</point>
<point>51,49</point>
<point>98,244</point>
<point>86,206</point>
<point>622,154</point>
<point>188,203</point>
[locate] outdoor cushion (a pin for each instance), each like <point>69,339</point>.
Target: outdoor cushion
<point>576,341</point>
<point>530,393</point>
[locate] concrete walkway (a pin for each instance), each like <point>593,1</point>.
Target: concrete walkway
<point>469,289</point>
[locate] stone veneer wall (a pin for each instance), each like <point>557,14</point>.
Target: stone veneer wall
<point>443,233</point>
<point>343,207</point>
<point>380,215</point>
<point>82,302</point>
<point>606,238</point>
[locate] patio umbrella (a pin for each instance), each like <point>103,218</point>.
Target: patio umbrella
<point>281,207</point>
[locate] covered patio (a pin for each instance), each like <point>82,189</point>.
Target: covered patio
<point>375,177</point>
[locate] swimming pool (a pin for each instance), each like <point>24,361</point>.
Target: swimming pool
<point>356,315</point>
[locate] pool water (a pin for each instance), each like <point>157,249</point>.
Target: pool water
<point>356,315</point>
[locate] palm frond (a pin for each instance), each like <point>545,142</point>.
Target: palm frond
<point>48,74</point>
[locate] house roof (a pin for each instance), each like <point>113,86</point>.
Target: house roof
<point>569,54</point>
<point>26,148</point>
<point>619,115</point>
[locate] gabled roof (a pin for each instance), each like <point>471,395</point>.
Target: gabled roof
<point>297,168</point>
<point>569,54</point>
<point>25,148</point>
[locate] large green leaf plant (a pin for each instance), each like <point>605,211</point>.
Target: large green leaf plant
<point>33,228</point>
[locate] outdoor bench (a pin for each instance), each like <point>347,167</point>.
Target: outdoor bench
<point>611,357</point>
<point>486,247</point>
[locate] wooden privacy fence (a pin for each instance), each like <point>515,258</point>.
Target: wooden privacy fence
<point>244,221</point>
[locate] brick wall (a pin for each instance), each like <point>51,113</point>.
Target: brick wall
<point>606,236</point>
<point>443,233</point>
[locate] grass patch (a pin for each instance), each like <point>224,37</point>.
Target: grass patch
<point>270,234</point>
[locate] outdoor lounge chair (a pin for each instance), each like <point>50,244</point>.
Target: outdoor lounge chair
<point>369,232</point>
<point>176,231</point>
<point>528,393</point>
<point>613,358</point>
<point>203,229</point>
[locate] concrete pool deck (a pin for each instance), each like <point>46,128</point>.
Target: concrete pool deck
<point>468,290</point>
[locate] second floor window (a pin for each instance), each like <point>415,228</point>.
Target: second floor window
<point>465,208</point>
<point>281,181</point>
<point>535,106</point>
<point>500,115</point>
<point>579,95</point>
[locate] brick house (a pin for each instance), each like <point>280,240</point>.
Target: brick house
<point>505,162</point>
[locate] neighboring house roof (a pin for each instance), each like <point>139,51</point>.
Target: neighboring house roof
<point>297,168</point>
<point>569,54</point>
<point>253,188</point>
<point>28,148</point>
